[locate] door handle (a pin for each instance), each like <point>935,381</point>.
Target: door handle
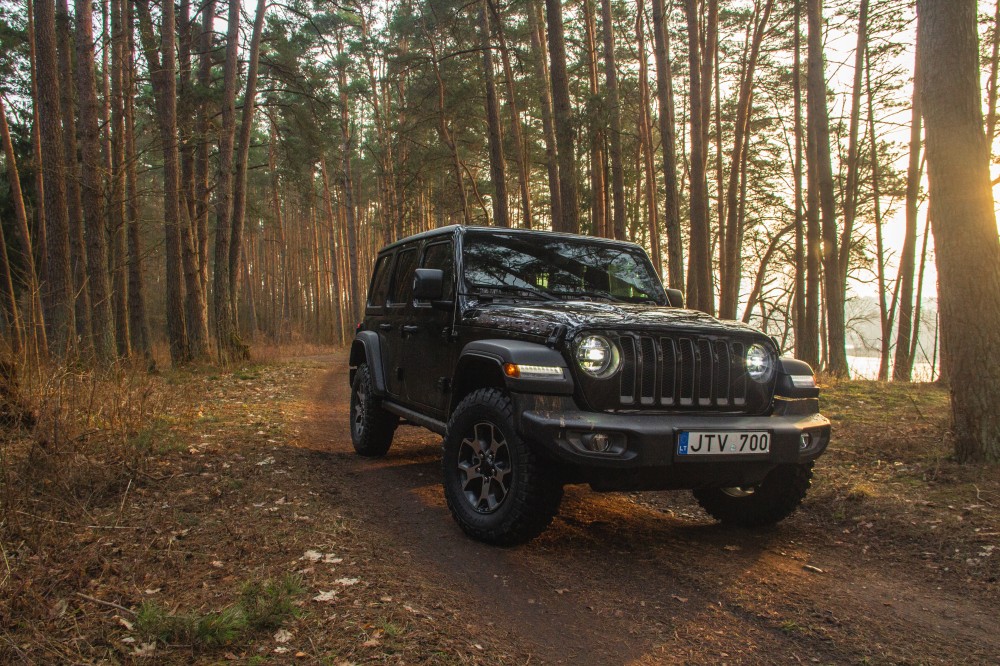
<point>385,327</point>
<point>409,329</point>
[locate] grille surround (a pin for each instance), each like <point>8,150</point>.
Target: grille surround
<point>680,372</point>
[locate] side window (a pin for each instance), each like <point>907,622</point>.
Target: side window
<point>441,256</point>
<point>380,282</point>
<point>402,277</point>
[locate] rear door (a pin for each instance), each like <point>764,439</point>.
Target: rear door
<point>397,312</point>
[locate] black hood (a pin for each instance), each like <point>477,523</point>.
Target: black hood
<point>543,317</point>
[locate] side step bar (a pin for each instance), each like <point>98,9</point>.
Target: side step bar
<point>415,418</point>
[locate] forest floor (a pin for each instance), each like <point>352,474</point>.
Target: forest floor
<point>238,525</point>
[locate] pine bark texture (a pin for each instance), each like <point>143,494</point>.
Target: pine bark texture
<point>836,362</point>
<point>963,221</point>
<point>60,316</point>
<point>102,318</point>
<point>564,121</point>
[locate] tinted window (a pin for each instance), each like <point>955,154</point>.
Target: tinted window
<point>553,267</point>
<point>380,282</point>
<point>441,256</point>
<point>402,277</point>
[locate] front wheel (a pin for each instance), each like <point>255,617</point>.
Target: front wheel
<point>773,500</point>
<point>372,427</point>
<point>498,490</point>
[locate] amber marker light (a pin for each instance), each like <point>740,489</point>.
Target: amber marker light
<point>516,371</point>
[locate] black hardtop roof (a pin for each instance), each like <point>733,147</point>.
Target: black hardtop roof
<point>461,228</point>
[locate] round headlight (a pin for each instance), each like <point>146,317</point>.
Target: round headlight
<point>597,356</point>
<point>760,363</point>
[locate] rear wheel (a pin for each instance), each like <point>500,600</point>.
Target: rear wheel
<point>773,500</point>
<point>372,427</point>
<point>498,490</point>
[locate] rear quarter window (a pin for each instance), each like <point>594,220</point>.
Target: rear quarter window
<point>379,288</point>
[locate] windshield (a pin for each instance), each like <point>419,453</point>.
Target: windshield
<point>537,266</point>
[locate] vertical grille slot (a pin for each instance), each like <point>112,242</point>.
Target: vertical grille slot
<point>723,387</point>
<point>648,363</point>
<point>668,372</point>
<point>738,374</point>
<point>705,374</point>
<point>628,371</point>
<point>686,371</point>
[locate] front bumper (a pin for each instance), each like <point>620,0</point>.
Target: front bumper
<point>645,445</point>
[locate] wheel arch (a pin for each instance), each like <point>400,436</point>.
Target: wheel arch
<point>367,349</point>
<point>481,365</point>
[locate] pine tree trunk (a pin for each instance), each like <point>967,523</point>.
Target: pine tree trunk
<point>58,289</point>
<point>545,102</point>
<point>498,174</point>
<point>165,93</point>
<point>243,155</point>
<point>732,263</point>
<point>15,325</point>
<point>202,149</point>
<point>646,141</point>
<point>564,125</point>
<point>614,112</point>
<point>102,319</point>
<point>116,200</point>
<point>34,319</point>
<point>699,284</point>
<point>230,347</point>
<point>853,161</point>
<point>664,98</point>
<point>963,221</point>
<point>903,363</point>
<point>820,135</point>
<point>598,186</point>
<point>521,153</point>
<point>347,183</point>
<point>77,244</point>
<point>138,322</point>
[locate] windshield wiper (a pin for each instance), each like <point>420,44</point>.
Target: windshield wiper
<point>527,289</point>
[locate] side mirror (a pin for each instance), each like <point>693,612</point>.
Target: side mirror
<point>675,297</point>
<point>428,284</point>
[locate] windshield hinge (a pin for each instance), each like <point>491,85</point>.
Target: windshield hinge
<point>556,337</point>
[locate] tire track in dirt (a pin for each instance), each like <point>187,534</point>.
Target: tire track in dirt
<point>617,581</point>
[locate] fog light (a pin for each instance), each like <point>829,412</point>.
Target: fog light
<point>597,442</point>
<point>805,439</point>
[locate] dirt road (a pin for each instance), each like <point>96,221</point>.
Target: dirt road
<point>644,578</point>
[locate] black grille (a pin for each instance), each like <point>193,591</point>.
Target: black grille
<point>686,372</point>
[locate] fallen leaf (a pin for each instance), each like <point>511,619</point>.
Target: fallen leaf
<point>144,650</point>
<point>326,596</point>
<point>683,600</point>
<point>282,636</point>
<point>809,567</point>
<point>347,582</point>
<point>731,548</point>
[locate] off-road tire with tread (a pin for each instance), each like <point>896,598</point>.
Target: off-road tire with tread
<point>372,427</point>
<point>777,496</point>
<point>534,492</point>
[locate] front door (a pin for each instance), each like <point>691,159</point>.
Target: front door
<point>429,354</point>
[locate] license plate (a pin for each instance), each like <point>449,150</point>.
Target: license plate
<point>714,443</point>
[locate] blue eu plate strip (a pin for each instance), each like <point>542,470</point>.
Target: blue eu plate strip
<point>682,447</point>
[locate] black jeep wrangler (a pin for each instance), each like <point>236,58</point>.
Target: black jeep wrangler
<point>546,359</point>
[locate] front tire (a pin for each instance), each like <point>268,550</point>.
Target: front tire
<point>773,500</point>
<point>372,427</point>
<point>498,489</point>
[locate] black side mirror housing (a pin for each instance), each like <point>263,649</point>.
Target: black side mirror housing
<point>428,284</point>
<point>675,297</point>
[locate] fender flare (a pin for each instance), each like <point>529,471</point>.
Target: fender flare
<point>366,348</point>
<point>519,352</point>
